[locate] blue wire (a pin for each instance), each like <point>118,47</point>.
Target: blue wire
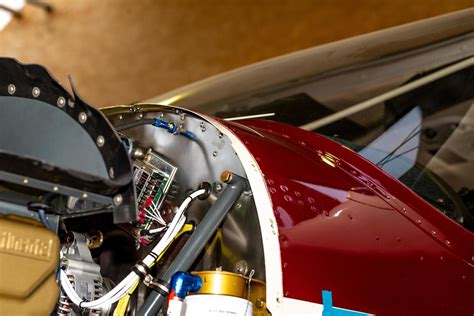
<point>173,129</point>
<point>44,220</point>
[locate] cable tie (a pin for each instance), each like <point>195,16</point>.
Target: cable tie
<point>141,269</point>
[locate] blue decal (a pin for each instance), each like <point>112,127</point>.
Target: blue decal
<point>329,310</point>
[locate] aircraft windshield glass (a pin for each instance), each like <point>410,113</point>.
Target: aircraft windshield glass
<point>424,137</point>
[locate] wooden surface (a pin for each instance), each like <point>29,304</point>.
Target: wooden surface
<point>120,51</point>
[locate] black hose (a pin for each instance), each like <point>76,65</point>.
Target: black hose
<point>193,247</point>
<point>132,124</point>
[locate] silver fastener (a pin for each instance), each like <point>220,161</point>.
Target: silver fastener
<point>100,141</point>
<point>25,180</point>
<point>61,102</point>
<point>55,189</point>
<point>84,195</point>
<point>111,172</point>
<point>82,117</point>
<point>35,92</point>
<point>11,89</point>
<point>118,199</point>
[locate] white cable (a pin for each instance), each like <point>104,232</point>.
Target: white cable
<point>129,281</point>
<point>157,230</point>
<point>153,217</point>
<point>108,299</point>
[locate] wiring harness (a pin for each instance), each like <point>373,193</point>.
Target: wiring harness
<point>140,270</point>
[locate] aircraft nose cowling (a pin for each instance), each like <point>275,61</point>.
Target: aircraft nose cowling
<point>347,227</point>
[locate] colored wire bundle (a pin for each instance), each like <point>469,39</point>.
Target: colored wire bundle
<point>129,282</point>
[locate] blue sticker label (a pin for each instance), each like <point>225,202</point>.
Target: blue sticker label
<point>330,310</point>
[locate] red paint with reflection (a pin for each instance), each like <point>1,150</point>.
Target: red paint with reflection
<point>348,227</point>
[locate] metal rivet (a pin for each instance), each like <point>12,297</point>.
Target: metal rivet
<point>61,102</point>
<point>100,141</point>
<point>140,115</point>
<point>221,135</point>
<point>120,117</point>
<point>118,199</point>
<point>162,115</point>
<point>218,187</point>
<point>242,267</point>
<point>214,154</point>
<point>11,88</point>
<point>35,92</point>
<point>82,117</point>
<point>84,195</point>
<point>25,181</point>
<point>55,189</point>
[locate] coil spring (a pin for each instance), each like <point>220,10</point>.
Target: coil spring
<point>64,304</point>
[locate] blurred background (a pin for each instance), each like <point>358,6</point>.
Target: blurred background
<point>120,51</point>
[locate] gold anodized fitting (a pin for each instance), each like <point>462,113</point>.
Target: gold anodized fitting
<point>226,176</point>
<point>233,284</point>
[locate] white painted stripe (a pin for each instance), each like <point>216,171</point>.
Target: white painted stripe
<point>266,217</point>
<point>296,307</point>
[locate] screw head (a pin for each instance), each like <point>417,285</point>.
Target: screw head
<point>118,199</point>
<point>100,141</point>
<point>35,92</point>
<point>242,267</point>
<point>61,102</point>
<point>82,117</point>
<point>226,176</point>
<point>11,89</point>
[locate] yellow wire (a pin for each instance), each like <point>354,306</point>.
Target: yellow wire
<point>123,302</point>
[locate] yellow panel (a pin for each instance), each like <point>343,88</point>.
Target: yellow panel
<point>29,256</point>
